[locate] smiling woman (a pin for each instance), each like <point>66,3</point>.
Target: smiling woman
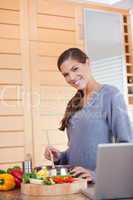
<point>76,71</point>
<point>96,114</point>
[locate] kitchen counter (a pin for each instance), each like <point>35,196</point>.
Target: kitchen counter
<point>16,195</point>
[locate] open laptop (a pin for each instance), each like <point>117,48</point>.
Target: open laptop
<point>114,173</point>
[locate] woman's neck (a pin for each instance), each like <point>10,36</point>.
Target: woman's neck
<point>91,88</point>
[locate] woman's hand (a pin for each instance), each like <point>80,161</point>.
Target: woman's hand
<point>55,152</point>
<point>82,173</point>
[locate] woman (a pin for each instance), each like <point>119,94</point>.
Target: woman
<point>96,114</point>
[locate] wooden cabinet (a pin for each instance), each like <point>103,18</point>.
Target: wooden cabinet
<point>128,44</point>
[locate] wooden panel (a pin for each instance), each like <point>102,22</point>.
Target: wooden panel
<point>10,76</point>
<point>44,137</point>
<point>55,22</point>
<point>11,164</point>
<point>57,137</point>
<point>40,160</point>
<point>58,36</point>
<point>10,4</point>
<point>56,33</point>
<point>52,78</point>
<point>12,154</point>
<point>11,108</point>
<point>11,123</point>
<point>9,31</point>
<point>10,61</point>
<point>9,17</point>
<point>11,139</point>
<point>9,46</point>
<point>53,107</point>
<point>79,26</point>
<point>50,122</point>
<point>130,100</point>
<point>47,63</point>
<point>53,137</point>
<point>51,7</point>
<point>10,92</point>
<point>26,60</point>
<point>51,49</point>
<point>56,93</point>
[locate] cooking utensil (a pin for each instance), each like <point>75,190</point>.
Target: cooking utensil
<point>52,159</point>
<point>53,171</point>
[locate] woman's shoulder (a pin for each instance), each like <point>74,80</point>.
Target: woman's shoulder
<point>112,94</point>
<point>111,90</point>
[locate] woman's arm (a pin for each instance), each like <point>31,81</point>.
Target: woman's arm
<point>120,122</point>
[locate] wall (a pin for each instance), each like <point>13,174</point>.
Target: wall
<point>13,128</point>
<point>32,34</point>
<point>126,4</point>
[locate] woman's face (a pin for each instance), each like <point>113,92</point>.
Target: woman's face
<point>75,73</point>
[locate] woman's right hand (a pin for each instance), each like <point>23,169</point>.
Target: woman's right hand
<point>55,152</point>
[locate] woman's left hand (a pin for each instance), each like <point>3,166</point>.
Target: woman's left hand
<point>82,173</point>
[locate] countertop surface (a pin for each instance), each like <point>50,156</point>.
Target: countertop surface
<point>16,195</point>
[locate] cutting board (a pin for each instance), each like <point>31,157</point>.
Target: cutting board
<point>52,190</point>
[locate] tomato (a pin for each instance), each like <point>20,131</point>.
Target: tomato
<point>60,179</point>
<point>69,179</point>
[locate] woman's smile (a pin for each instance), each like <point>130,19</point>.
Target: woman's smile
<point>78,84</point>
<point>76,74</point>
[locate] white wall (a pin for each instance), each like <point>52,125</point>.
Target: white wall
<point>127,4</point>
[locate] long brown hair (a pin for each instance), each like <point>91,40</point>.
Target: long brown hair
<point>76,103</point>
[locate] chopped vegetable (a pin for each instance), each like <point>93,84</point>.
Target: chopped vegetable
<point>17,173</point>
<point>49,181</point>
<point>7,182</point>
<point>58,180</point>
<point>63,179</point>
<point>43,173</point>
<point>27,176</point>
<point>2,171</point>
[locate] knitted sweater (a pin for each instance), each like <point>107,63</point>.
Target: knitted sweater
<point>103,119</point>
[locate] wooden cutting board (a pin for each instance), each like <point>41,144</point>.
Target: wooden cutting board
<point>52,190</point>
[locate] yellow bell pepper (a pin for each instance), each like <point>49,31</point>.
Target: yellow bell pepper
<point>7,182</point>
<point>43,173</point>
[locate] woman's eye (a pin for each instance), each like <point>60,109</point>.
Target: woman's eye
<point>75,69</point>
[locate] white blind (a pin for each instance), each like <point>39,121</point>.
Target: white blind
<point>109,71</point>
<point>104,45</point>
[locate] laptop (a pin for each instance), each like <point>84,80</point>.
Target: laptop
<point>114,173</point>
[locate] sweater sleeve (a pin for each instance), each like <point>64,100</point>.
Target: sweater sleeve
<point>120,123</point>
<point>63,160</point>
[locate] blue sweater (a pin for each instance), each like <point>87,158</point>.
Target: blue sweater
<point>103,119</point>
